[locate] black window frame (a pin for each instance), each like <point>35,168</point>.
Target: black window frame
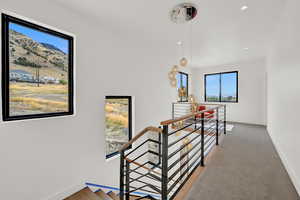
<point>220,84</point>
<point>6,19</point>
<point>129,122</point>
<point>187,86</point>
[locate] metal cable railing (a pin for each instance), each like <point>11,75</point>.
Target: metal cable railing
<point>165,158</point>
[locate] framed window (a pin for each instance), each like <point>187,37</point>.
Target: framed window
<point>118,123</point>
<point>221,87</point>
<point>37,70</point>
<point>182,86</point>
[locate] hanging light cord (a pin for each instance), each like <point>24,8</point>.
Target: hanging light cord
<point>191,41</point>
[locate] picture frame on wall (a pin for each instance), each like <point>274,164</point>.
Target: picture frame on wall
<point>37,70</point>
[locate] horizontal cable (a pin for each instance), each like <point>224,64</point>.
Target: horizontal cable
<point>139,156</point>
<point>147,183</point>
<point>179,179</point>
<point>139,166</point>
<point>180,129</point>
<point>185,163</point>
<point>183,146</point>
<point>149,140</point>
<point>178,160</point>
<point>205,154</point>
<point>142,189</point>
<point>155,165</point>
<point>209,144</point>
<point>211,128</point>
<point>178,140</point>
<point>153,152</point>
<point>146,175</point>
<point>208,140</point>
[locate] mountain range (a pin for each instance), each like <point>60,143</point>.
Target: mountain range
<point>29,53</point>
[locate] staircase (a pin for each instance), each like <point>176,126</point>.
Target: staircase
<point>87,194</point>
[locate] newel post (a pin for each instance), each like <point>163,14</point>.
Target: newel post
<point>164,178</point>
<point>122,157</point>
<point>202,139</point>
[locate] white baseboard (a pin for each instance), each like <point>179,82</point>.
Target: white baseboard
<point>285,162</point>
<point>71,190</point>
<point>247,123</point>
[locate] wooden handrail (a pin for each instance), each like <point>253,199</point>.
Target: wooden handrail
<point>150,128</point>
<point>171,121</point>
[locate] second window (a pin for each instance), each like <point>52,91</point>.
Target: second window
<point>221,87</point>
<point>182,86</point>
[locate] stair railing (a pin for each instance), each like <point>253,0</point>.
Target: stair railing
<point>181,146</point>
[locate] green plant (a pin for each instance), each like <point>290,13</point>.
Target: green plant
<point>63,82</point>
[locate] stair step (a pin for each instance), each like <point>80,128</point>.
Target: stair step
<point>102,195</point>
<point>84,194</point>
<point>113,195</point>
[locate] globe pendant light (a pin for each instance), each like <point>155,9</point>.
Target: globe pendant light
<point>183,62</point>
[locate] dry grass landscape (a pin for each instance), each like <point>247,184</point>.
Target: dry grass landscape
<point>26,98</point>
<point>116,119</point>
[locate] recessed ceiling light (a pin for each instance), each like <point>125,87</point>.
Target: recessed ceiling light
<point>179,42</point>
<point>243,8</point>
<point>246,49</point>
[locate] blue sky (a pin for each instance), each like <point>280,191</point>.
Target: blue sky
<point>228,85</point>
<point>39,36</point>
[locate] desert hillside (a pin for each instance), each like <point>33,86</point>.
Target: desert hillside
<point>27,55</point>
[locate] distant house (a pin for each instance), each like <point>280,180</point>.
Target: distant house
<point>21,76</point>
<point>24,76</point>
<point>49,80</point>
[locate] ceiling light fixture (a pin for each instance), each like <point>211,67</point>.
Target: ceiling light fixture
<point>183,13</point>
<point>243,8</point>
<point>246,49</point>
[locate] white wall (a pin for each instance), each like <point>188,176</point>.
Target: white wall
<point>251,106</point>
<point>43,157</point>
<point>283,65</point>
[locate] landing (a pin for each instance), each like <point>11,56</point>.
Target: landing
<point>245,167</point>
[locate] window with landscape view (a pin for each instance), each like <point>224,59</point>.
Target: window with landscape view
<point>182,86</point>
<point>118,120</point>
<point>37,71</point>
<point>221,87</point>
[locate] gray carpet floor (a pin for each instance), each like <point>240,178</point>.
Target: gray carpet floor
<point>245,167</point>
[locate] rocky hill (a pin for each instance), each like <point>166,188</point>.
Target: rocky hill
<point>28,53</point>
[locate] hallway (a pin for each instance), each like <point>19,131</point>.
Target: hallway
<point>247,167</point>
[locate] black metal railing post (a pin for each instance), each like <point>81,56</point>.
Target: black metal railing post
<point>122,157</point>
<point>127,180</point>
<point>217,127</point>
<point>164,183</point>
<point>173,112</point>
<point>159,148</point>
<point>224,119</point>
<point>202,139</point>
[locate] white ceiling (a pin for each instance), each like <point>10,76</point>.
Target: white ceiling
<point>220,33</point>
